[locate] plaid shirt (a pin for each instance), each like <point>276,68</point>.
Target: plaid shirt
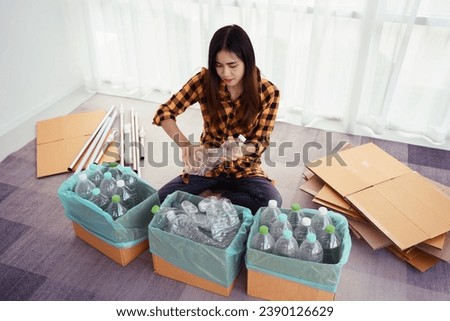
<point>258,134</point>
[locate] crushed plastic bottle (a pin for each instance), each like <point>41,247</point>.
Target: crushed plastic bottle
<point>262,240</point>
<point>84,186</point>
<point>286,245</point>
<point>278,226</point>
<point>310,249</point>
<point>270,213</point>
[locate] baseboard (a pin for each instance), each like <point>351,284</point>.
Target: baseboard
<point>15,138</point>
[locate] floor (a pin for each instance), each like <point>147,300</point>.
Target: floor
<point>41,259</point>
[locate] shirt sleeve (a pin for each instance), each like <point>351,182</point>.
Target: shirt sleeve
<point>185,97</point>
<point>260,137</point>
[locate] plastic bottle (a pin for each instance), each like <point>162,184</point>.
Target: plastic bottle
<point>303,229</point>
<point>84,186</point>
<point>116,209</point>
<point>115,171</point>
<point>218,219</point>
<point>286,245</point>
<point>124,193</point>
<point>232,148</point>
<point>262,240</point>
<point>108,184</point>
<point>99,199</point>
<point>183,226</point>
<point>295,215</point>
<point>270,213</point>
<point>95,174</point>
<point>310,249</point>
<point>277,227</point>
<point>160,216</point>
<point>190,209</point>
<point>131,181</point>
<point>320,220</point>
<point>331,245</point>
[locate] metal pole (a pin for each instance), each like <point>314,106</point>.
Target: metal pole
<point>71,166</point>
<point>105,145</point>
<point>122,148</point>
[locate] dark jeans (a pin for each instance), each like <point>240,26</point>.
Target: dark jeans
<point>250,192</point>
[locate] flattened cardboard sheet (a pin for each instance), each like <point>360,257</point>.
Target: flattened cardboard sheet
<point>60,139</point>
<point>402,204</point>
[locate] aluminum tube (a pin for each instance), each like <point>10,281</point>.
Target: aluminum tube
<point>133,140</point>
<point>102,139</point>
<point>136,148</point>
<point>83,149</point>
<point>105,146</point>
<point>142,143</point>
<point>88,152</point>
<point>122,147</point>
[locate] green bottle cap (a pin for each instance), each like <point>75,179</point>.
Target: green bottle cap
<point>330,228</point>
<point>263,230</point>
<point>155,209</point>
<point>115,198</point>
<point>113,164</point>
<point>295,207</point>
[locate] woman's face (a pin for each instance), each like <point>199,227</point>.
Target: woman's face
<point>230,68</point>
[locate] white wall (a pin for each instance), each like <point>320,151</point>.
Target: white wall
<point>39,69</point>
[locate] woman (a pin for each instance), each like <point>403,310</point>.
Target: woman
<point>234,100</point>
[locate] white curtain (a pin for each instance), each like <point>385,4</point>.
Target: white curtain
<point>370,67</point>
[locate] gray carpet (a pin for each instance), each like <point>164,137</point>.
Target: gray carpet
<point>41,259</point>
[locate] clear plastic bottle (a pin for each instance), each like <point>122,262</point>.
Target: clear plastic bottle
<point>331,245</point>
<point>115,170</point>
<point>286,245</point>
<point>262,240</point>
<point>124,193</point>
<point>182,225</point>
<point>310,249</point>
<point>278,226</point>
<point>230,211</point>
<point>295,215</point>
<point>320,220</point>
<point>108,184</point>
<point>270,213</point>
<point>95,174</point>
<point>160,216</point>
<point>116,209</point>
<point>84,186</point>
<point>131,181</point>
<point>99,199</point>
<point>303,229</point>
<point>190,209</point>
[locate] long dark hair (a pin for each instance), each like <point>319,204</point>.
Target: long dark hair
<point>234,39</point>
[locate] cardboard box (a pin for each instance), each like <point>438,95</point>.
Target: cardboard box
<point>60,139</point>
<point>165,268</point>
<point>274,277</point>
<point>123,256</point>
<point>402,204</point>
<point>269,287</point>
<point>206,267</point>
<point>119,239</point>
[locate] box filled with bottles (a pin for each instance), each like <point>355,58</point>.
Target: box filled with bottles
<point>282,271</point>
<point>116,226</point>
<point>201,255</point>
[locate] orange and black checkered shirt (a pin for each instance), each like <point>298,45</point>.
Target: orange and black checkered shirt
<point>258,134</point>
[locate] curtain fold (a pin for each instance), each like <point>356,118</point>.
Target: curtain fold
<point>371,67</point>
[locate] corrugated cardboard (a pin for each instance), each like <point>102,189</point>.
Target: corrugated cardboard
<point>269,287</point>
<point>167,269</point>
<point>123,256</point>
<point>402,204</point>
<point>415,257</point>
<point>59,140</point>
